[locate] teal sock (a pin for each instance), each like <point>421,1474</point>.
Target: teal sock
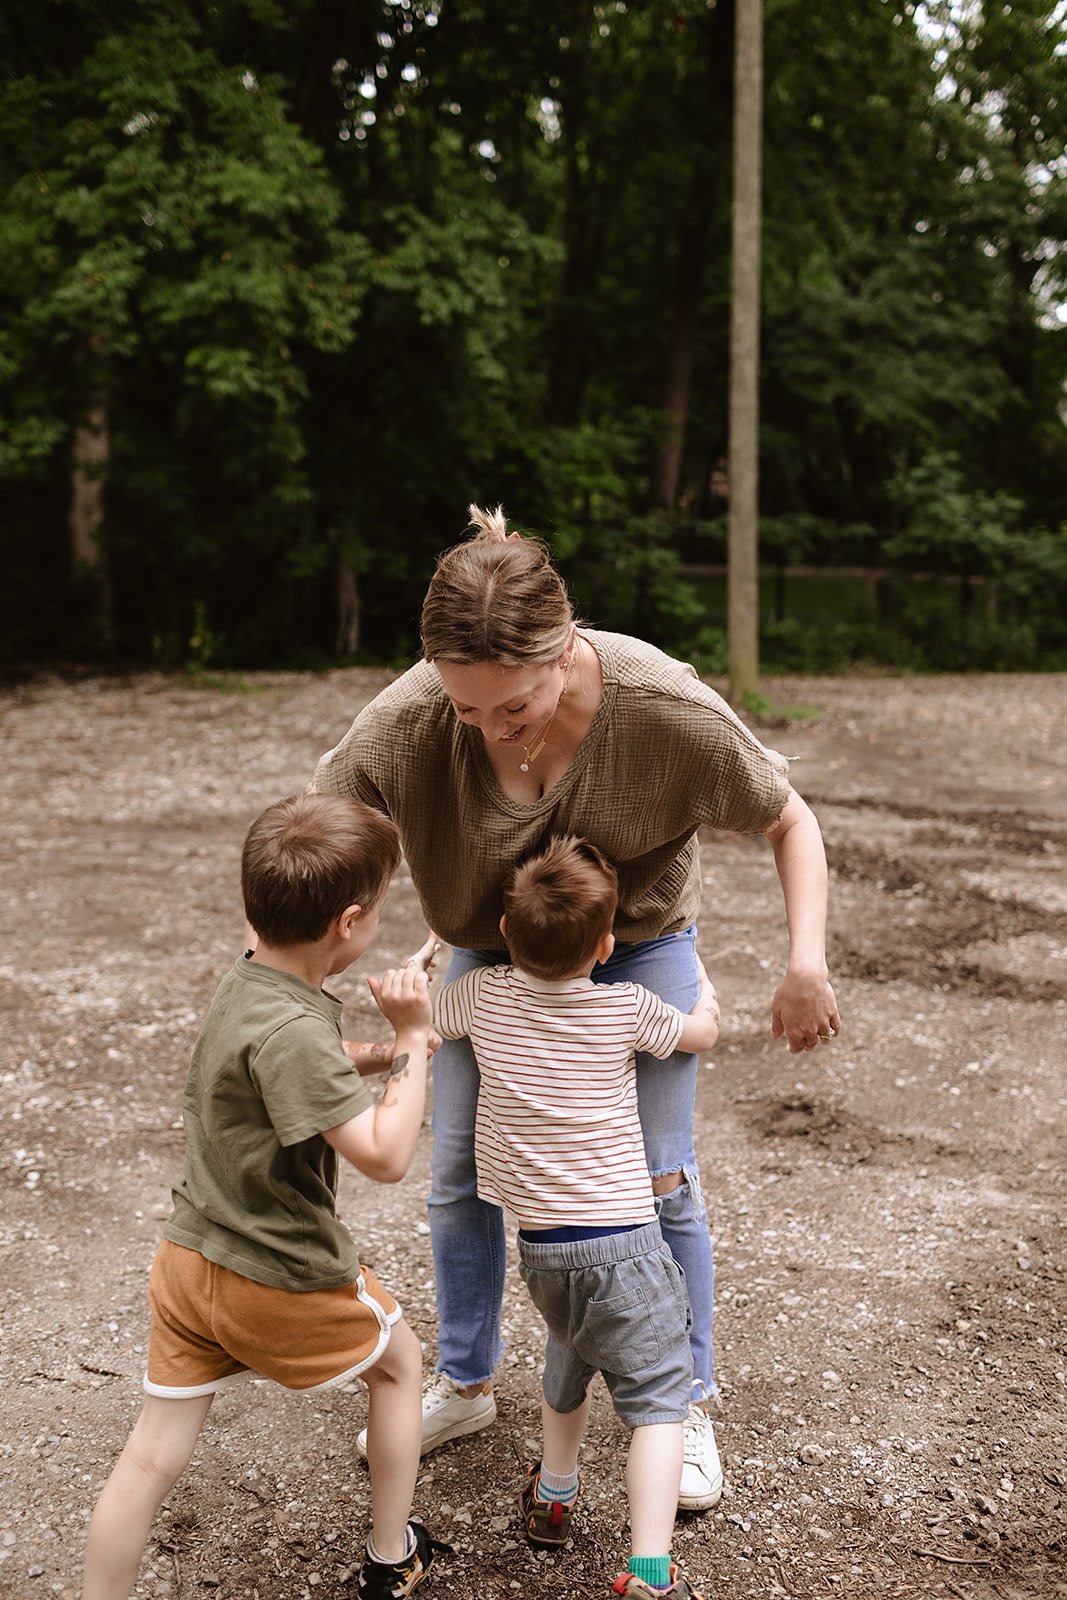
<point>556,1486</point>
<point>653,1570</point>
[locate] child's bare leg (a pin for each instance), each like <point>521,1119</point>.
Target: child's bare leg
<point>154,1458</point>
<point>653,1476</point>
<point>394,1438</point>
<point>563,1432</point>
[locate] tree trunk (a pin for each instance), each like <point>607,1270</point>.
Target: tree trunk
<point>90,454</point>
<point>346,640</point>
<point>569,359</point>
<point>743,599</point>
<point>678,373</point>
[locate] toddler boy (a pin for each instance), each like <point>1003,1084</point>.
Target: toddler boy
<point>558,1142</point>
<point>255,1274</point>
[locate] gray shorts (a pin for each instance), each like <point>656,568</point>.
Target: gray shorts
<point>616,1305</point>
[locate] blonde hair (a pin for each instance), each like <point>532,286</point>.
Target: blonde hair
<point>496,597</point>
<point>558,905</point>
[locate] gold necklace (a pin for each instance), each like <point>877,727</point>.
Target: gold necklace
<point>531,751</point>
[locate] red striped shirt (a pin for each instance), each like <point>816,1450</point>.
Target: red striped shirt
<point>557,1139</point>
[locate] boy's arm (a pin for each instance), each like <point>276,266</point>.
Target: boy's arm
<point>371,1058</point>
<point>381,1141</point>
<point>700,1028</point>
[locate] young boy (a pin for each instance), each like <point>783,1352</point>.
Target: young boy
<point>255,1274</point>
<point>558,1142</point>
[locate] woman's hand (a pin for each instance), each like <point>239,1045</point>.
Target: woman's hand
<point>804,1010</point>
<point>425,957</point>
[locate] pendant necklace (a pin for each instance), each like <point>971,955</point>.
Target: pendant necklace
<point>531,751</point>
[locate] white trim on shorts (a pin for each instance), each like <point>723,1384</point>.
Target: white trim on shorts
<point>197,1391</point>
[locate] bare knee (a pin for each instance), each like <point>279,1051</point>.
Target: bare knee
<point>402,1360</point>
<point>162,1440</point>
<point>667,1182</point>
<point>159,1463</point>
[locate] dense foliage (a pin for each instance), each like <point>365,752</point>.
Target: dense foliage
<point>283,286</point>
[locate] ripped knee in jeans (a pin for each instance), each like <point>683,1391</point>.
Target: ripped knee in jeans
<point>667,1184</point>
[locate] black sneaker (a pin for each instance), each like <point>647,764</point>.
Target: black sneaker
<point>390,1580</point>
<point>546,1523</point>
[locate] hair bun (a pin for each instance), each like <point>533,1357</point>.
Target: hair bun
<point>489,525</point>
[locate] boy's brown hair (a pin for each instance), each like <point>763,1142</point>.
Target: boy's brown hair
<point>559,904</point>
<point>308,857</point>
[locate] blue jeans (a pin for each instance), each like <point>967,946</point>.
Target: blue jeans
<point>467,1234</point>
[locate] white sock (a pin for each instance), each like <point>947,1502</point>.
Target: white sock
<point>409,1548</point>
<point>556,1486</point>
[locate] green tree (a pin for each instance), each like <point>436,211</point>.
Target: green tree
<point>284,286</point>
<point>181,260</point>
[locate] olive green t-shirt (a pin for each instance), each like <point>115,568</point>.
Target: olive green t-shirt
<point>259,1190</point>
<point>665,755</point>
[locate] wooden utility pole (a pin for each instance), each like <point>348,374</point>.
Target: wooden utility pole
<point>743,581</point>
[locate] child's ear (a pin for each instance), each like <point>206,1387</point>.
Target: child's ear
<point>604,948</point>
<point>348,919</point>
<point>504,928</point>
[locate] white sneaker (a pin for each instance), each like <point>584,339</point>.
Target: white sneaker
<point>701,1468</point>
<point>446,1413</point>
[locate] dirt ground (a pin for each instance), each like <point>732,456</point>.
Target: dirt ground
<point>888,1213</point>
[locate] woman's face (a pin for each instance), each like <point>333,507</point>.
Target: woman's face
<point>506,704</point>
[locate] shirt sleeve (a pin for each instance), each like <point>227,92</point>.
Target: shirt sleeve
<point>306,1081</point>
<point>455,1005</point>
<point>340,770</point>
<point>741,786</point>
<point>658,1025</point>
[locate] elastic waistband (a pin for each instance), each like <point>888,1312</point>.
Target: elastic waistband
<point>598,1252</point>
<point>572,1235</point>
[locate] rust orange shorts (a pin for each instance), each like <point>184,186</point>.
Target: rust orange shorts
<point>212,1328</point>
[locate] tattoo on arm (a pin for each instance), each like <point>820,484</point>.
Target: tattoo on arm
<point>367,1057</point>
<point>398,1069</point>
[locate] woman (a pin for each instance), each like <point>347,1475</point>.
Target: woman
<point>517,725</point>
